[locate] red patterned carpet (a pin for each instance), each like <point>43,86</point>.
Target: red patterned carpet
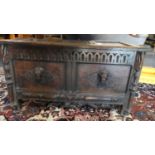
<point>143,109</point>
<point>143,106</point>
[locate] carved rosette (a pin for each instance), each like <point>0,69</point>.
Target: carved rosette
<point>39,75</point>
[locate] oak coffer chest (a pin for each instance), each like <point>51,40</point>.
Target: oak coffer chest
<point>71,71</point>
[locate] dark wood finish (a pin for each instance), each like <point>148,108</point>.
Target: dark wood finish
<point>72,72</point>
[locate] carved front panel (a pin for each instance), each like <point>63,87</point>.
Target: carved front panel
<point>71,74</point>
<point>39,77</point>
<point>102,79</point>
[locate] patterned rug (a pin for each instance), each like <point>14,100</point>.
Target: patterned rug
<point>143,106</point>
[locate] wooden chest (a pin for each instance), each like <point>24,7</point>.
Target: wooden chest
<point>71,72</point>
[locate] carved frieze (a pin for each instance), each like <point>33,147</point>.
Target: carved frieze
<point>75,55</point>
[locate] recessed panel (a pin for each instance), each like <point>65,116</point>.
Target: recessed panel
<point>102,79</point>
<point>39,77</point>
